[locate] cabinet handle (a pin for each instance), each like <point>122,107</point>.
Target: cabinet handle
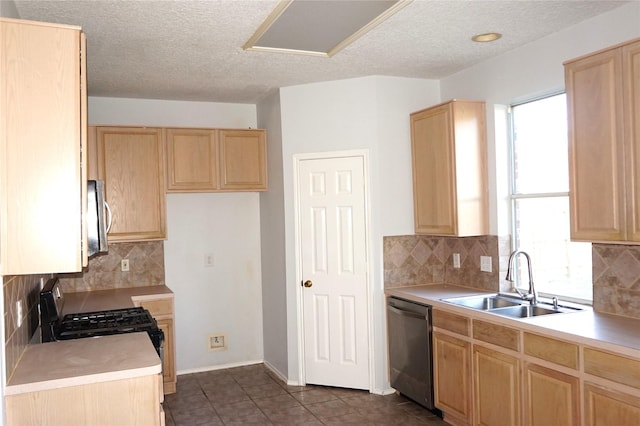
<point>110,216</point>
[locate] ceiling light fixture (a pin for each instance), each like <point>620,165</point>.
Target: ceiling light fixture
<point>486,37</point>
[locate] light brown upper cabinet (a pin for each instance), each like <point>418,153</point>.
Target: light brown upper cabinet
<point>209,160</point>
<point>42,130</point>
<point>130,160</point>
<point>603,96</point>
<point>243,160</point>
<point>192,160</point>
<point>448,144</point>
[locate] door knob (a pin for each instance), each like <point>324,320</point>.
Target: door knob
<point>308,283</point>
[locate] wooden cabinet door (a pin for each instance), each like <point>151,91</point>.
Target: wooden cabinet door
<point>162,309</point>
<point>605,407</point>
<point>130,161</point>
<point>192,160</point>
<point>243,160</point>
<point>168,362</point>
<point>631,84</point>
<point>551,398</point>
<point>433,171</point>
<point>41,132</point>
<point>596,163</point>
<point>448,144</point>
<point>497,387</point>
<point>452,377</point>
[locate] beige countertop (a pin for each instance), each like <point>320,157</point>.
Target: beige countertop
<point>90,360</point>
<point>616,333</point>
<point>83,361</point>
<point>89,301</point>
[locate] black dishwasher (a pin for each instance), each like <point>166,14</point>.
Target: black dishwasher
<point>410,352</point>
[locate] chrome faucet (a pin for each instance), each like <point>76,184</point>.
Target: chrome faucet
<point>532,296</point>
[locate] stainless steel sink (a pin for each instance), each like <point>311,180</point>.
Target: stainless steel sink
<point>525,311</point>
<point>485,303</point>
<point>509,306</point>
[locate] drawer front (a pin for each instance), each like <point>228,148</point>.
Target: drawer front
<point>612,367</point>
<point>548,349</point>
<point>496,334</point>
<point>157,307</point>
<point>452,322</point>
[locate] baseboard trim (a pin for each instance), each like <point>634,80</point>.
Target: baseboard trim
<point>219,367</point>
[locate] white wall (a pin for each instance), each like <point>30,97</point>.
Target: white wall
<point>226,298</point>
<point>151,112</point>
<point>364,113</point>
<point>8,9</point>
<point>532,71</point>
<point>272,230</point>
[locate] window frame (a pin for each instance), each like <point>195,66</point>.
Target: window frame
<point>514,196</point>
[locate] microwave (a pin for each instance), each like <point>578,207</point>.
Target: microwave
<point>98,223</point>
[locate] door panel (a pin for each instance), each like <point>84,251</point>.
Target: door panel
<point>333,253</point>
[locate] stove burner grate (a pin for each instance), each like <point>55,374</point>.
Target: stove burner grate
<point>101,323</point>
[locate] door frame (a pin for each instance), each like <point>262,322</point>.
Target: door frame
<point>297,159</point>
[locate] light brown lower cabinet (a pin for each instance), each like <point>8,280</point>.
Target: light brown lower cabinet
<point>606,407</point>
<point>452,377</point>
<point>135,401</point>
<point>552,398</point>
<point>497,387</point>
<point>494,374</point>
<point>162,310</point>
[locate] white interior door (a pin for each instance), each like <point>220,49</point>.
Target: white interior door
<point>332,210</point>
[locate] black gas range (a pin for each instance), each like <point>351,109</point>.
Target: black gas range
<point>92,324</point>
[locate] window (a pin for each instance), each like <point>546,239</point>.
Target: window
<point>540,201</point>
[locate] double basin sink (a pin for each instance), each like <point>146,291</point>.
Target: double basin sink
<point>509,306</point>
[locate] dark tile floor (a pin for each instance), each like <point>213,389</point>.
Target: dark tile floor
<point>254,395</point>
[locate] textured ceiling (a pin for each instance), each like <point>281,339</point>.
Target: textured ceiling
<point>192,50</point>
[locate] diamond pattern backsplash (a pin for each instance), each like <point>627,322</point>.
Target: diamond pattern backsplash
<point>146,268</point>
<point>616,279</point>
<point>421,259</point>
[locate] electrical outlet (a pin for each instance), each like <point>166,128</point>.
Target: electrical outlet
<point>485,263</point>
<point>18,313</point>
<point>208,260</point>
<point>124,265</point>
<point>217,342</point>
<point>456,260</point>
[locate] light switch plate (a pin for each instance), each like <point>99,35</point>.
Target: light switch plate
<point>485,263</point>
<point>456,260</point>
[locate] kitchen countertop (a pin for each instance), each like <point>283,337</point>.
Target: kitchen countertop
<point>99,300</point>
<point>83,361</point>
<point>616,333</point>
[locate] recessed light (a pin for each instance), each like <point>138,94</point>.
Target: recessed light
<point>486,37</point>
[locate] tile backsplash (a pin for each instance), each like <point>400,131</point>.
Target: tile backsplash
<point>616,279</point>
<point>24,289</point>
<point>146,268</point>
<point>422,259</point>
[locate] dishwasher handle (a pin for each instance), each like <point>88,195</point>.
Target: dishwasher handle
<point>406,313</point>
